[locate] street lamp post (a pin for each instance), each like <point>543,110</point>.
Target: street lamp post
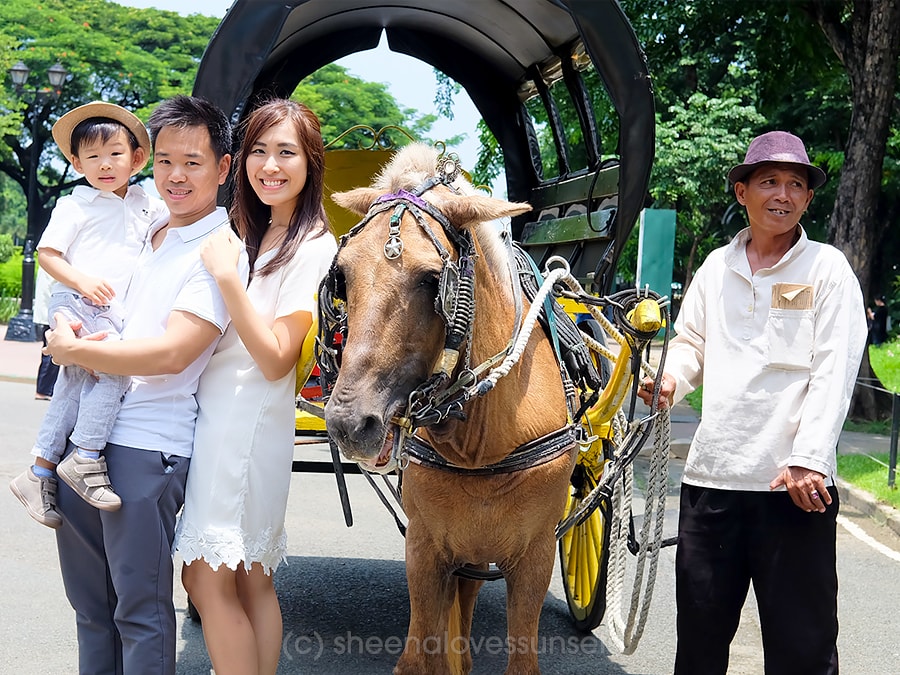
<point>21,327</point>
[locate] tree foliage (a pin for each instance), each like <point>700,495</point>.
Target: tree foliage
<point>342,101</point>
<point>132,57</point>
<point>824,69</point>
<point>702,135</point>
<point>12,208</point>
<point>865,37</point>
<point>136,58</point>
<point>816,68</point>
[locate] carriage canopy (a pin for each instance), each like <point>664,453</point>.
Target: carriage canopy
<point>502,52</point>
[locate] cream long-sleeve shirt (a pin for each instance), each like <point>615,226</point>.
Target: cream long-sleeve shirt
<point>777,353</point>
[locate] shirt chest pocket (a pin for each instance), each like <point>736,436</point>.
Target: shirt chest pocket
<point>790,337</point>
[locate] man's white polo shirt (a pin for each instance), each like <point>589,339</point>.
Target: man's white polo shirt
<point>159,412</point>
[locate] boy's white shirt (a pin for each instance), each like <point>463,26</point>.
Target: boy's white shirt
<point>101,234</point>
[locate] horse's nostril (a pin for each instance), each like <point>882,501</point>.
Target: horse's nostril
<point>365,430</point>
<point>357,433</point>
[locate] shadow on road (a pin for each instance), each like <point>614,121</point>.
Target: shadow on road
<point>349,616</point>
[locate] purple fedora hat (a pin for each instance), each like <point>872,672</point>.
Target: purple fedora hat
<point>777,146</point>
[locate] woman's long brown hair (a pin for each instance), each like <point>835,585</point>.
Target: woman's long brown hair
<point>249,216</point>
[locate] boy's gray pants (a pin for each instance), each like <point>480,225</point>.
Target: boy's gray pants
<point>82,405</point>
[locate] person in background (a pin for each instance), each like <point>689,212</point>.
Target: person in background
<point>117,567</point>
<point>47,371</point>
<point>231,534</point>
<point>773,327</point>
<point>878,321</point>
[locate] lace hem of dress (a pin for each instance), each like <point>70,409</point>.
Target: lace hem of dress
<point>231,547</point>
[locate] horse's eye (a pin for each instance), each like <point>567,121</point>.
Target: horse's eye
<point>429,281</point>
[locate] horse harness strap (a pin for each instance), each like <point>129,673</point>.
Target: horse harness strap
<point>534,453</point>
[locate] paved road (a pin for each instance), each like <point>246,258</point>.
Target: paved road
<point>344,591</point>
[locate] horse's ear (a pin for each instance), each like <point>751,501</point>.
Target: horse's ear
<point>467,209</point>
<point>358,200</point>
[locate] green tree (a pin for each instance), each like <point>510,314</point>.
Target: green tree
<point>133,57</point>
<point>865,37</point>
<point>688,176</point>
<point>6,247</point>
<point>12,208</point>
<point>342,101</point>
<point>767,56</point>
<point>825,69</point>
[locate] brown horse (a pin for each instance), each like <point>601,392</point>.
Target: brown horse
<point>397,340</point>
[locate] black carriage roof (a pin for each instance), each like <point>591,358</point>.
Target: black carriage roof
<point>493,48</point>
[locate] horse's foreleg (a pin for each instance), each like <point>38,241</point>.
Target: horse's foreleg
<point>526,587</point>
<point>432,590</point>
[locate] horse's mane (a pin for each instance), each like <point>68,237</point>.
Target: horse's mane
<point>415,163</point>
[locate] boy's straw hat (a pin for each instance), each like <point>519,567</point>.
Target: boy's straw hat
<point>62,130</point>
<point>781,147</point>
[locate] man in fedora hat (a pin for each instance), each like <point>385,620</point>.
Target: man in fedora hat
<point>773,327</point>
<point>90,247</point>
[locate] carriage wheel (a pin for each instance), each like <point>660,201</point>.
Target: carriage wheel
<point>584,549</point>
<point>584,554</point>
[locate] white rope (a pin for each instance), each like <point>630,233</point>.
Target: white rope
<point>528,324</point>
<point>625,632</point>
<point>618,547</point>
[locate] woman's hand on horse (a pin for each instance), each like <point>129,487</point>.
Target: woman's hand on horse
<point>220,253</point>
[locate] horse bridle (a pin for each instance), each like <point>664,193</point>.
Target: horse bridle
<point>439,397</point>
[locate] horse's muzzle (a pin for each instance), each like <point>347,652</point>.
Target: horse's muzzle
<point>361,437</point>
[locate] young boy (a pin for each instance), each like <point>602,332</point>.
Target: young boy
<point>90,247</point>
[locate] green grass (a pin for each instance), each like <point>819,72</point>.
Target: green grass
<point>885,362</point>
<point>870,473</point>
<point>695,399</point>
<point>11,276</point>
<point>882,427</point>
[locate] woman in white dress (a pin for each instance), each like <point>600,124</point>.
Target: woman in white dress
<point>231,533</point>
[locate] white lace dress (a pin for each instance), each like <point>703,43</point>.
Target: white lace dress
<point>237,486</point>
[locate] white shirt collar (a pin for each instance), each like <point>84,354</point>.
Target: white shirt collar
<point>196,230</point>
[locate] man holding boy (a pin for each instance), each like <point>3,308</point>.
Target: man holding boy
<point>117,566</point>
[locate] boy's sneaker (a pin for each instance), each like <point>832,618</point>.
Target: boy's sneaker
<point>88,478</point>
<point>39,497</point>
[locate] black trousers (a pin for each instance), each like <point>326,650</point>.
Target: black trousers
<point>48,371</point>
<point>726,539</point>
